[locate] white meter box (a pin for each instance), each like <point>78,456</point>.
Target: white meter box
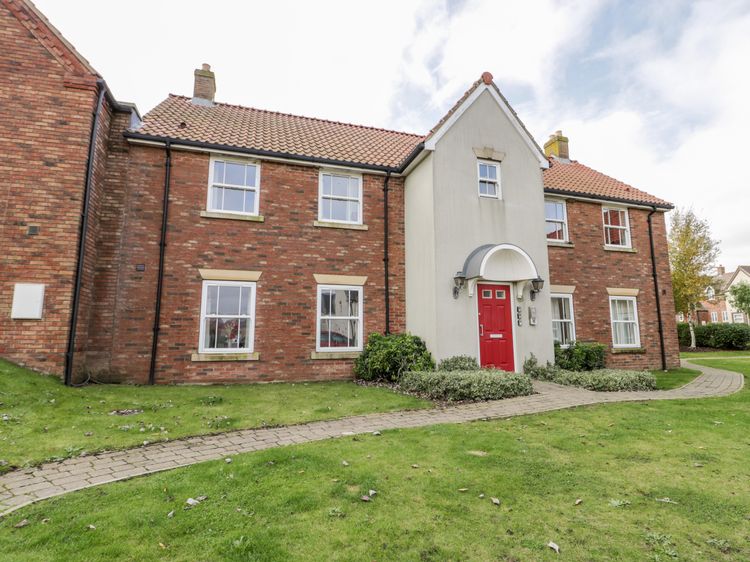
<point>28,301</point>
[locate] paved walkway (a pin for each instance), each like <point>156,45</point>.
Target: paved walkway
<point>22,487</point>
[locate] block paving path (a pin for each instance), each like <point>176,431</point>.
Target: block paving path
<point>23,487</point>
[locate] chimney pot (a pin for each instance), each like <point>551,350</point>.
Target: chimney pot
<point>487,77</point>
<point>720,270</point>
<point>557,146</point>
<point>204,87</point>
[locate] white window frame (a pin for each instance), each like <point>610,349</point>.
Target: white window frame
<point>714,317</point>
<point>710,293</point>
<point>564,222</point>
<point>724,316</point>
<point>360,199</point>
<point>681,317</point>
<point>256,188</point>
<point>625,229</point>
<point>251,325</point>
<point>572,320</point>
<point>496,165</point>
<point>360,317</point>
<point>612,321</point>
<point>738,317</point>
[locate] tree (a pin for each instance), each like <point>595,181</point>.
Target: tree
<point>739,295</point>
<point>692,254</point>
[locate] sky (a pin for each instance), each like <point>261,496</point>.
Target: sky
<point>654,93</point>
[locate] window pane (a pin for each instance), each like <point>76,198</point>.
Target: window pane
<point>482,170</point>
<point>212,292</point>
<point>353,303</point>
<point>339,210</point>
<point>325,303</point>
<point>325,340</point>
<point>249,201</point>
<point>227,333</point>
<point>245,300</point>
<point>218,172</point>
<point>209,336</point>
<point>234,200</point>
<point>353,211</point>
<point>216,196</point>
<point>354,187</point>
<point>326,184</point>
<point>234,173</point>
<point>562,332</point>
<point>555,231</point>
<point>340,186</point>
<point>614,237</point>
<point>326,209</point>
<point>492,172</point>
<point>624,333</point>
<point>560,308</point>
<point>487,188</point>
<point>229,300</point>
<point>250,175</point>
<point>244,337</point>
<point>339,334</point>
<point>623,310</point>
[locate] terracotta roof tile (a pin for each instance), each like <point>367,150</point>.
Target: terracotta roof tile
<point>245,127</point>
<point>575,178</point>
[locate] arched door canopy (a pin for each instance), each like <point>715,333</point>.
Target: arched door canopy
<point>498,262</point>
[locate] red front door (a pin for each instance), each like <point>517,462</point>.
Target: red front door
<point>495,327</point>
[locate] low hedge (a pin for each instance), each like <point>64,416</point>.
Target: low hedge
<point>605,380</point>
<point>459,363</point>
<point>486,384</point>
<point>718,336</point>
<point>581,356</point>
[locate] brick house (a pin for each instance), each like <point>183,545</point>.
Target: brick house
<point>717,308</point>
<point>209,242</point>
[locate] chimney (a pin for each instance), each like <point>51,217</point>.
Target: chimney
<point>205,86</point>
<point>720,270</point>
<point>557,146</point>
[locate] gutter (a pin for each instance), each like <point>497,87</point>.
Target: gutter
<point>599,198</point>
<point>656,290</point>
<point>83,231</point>
<point>160,274</point>
<point>386,283</point>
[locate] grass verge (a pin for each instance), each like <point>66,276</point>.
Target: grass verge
<point>674,378</point>
<point>659,480</point>
<point>709,354</point>
<point>41,419</point>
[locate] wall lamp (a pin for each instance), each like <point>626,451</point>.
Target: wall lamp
<point>536,286</point>
<point>459,281</point>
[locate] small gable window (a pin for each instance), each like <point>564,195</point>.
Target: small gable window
<point>233,186</point>
<point>489,179</point>
<point>340,198</point>
<point>616,227</point>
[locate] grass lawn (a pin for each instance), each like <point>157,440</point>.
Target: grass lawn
<point>674,378</point>
<point>302,503</point>
<point>40,418</point>
<point>704,354</point>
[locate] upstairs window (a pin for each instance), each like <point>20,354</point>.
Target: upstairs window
<point>616,227</point>
<point>489,179</point>
<point>556,220</point>
<point>710,293</point>
<point>340,198</point>
<point>233,186</point>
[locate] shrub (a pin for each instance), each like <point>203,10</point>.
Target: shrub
<point>388,357</point>
<point>605,380</point>
<point>580,356</point>
<point>486,384</point>
<point>719,336</point>
<point>459,363</point>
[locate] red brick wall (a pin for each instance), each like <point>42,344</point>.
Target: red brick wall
<point>591,269</point>
<point>44,135</point>
<point>286,248</point>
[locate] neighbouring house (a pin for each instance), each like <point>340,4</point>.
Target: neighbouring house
<point>208,242</point>
<point>717,307</point>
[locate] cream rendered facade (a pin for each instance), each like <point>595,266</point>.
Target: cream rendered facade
<point>447,222</point>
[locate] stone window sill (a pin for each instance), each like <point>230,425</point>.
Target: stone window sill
<point>334,354</point>
<point>556,244</point>
<point>628,350</point>
<point>616,249</point>
<point>324,224</point>
<point>225,357</point>
<point>232,216</point>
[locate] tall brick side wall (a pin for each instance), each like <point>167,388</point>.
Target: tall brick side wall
<point>591,269</point>
<point>44,136</point>
<point>286,248</point>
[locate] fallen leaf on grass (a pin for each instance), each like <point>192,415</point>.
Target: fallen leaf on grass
<point>579,501</point>
<point>698,465</point>
<point>162,545</point>
<point>415,466</point>
<point>21,523</point>
<point>463,489</point>
<point>619,503</point>
<point>665,500</point>
<point>371,493</point>
<point>170,514</point>
<point>227,460</point>
<point>481,496</point>
<point>554,547</point>
<point>478,453</point>
<point>376,433</point>
<point>344,463</point>
<point>91,528</point>
<point>366,498</point>
<point>495,501</point>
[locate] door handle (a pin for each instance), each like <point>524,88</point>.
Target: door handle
<point>481,329</point>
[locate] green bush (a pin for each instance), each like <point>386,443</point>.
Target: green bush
<point>459,363</point>
<point>580,356</point>
<point>388,357</point>
<point>605,380</point>
<point>718,336</point>
<point>487,384</point>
